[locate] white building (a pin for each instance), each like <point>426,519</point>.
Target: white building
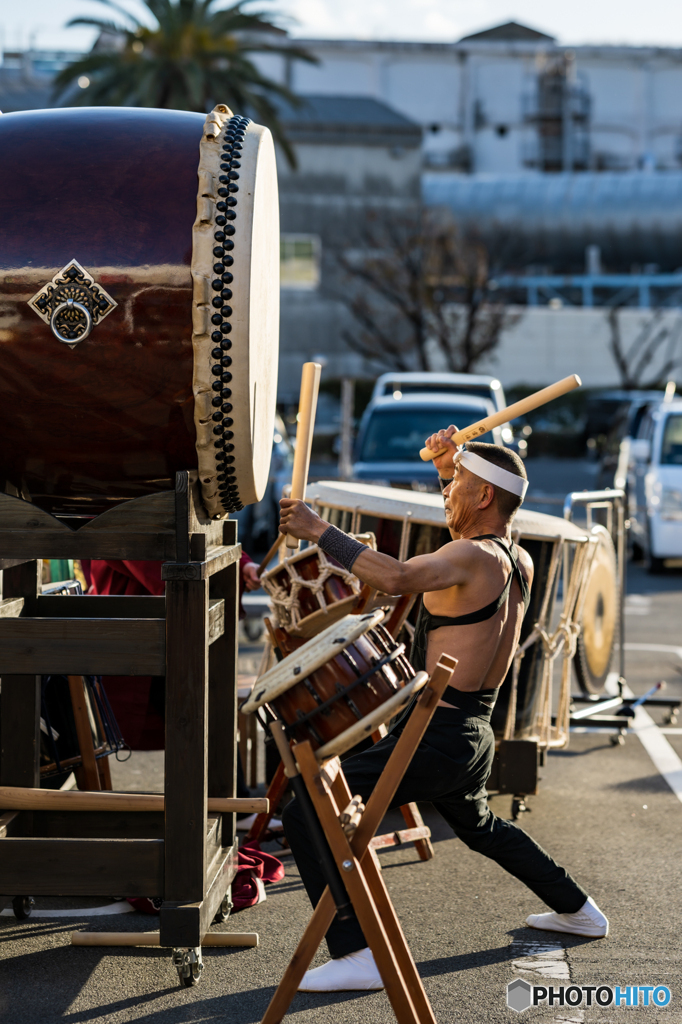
<point>510,99</point>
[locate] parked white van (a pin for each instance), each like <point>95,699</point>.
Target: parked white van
<point>655,485</point>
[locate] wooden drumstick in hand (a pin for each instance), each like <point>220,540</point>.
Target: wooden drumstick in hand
<point>505,415</point>
<point>307,407</point>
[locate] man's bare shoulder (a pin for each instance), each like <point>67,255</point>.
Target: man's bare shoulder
<point>526,563</point>
<point>462,549</point>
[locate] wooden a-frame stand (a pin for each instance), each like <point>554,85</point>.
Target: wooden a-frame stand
<point>189,636</point>
<point>329,793</point>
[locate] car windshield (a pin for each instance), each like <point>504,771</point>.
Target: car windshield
<point>412,388</point>
<point>671,449</point>
<point>396,434</point>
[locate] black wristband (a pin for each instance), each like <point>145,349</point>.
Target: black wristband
<point>444,483</point>
<point>341,547</point>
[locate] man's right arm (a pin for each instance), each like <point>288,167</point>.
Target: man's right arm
<point>452,565</point>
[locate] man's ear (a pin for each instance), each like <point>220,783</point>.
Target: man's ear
<point>487,496</point>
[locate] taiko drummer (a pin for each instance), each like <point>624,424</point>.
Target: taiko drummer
<point>475,593</point>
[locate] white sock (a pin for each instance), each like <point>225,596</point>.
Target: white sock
<point>354,972</point>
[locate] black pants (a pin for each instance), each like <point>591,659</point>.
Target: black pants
<point>450,768</point>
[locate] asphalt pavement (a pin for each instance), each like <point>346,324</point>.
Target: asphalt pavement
<point>605,812</point>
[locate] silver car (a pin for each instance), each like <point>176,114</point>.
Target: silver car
<point>393,430</point>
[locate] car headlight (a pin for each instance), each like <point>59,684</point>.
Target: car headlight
<point>671,504</point>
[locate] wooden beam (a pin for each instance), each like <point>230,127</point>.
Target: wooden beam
<point>217,559</point>
<point>126,647</point>
<point>20,697</point>
<point>185,924</point>
<point>222,691</point>
<point>216,619</point>
<point>27,799</point>
<point>143,528</point>
<point>186,738</point>
<point>82,867</point>
<point>103,606</point>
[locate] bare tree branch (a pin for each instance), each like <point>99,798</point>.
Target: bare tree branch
<point>649,342</point>
<point>416,286</point>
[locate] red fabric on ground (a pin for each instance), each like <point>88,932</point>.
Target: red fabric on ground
<point>140,722</point>
<point>254,870</point>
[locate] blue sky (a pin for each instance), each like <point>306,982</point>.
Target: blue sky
<point>572,21</point>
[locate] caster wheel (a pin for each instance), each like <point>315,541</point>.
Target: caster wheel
<point>618,741</point>
<point>189,965</point>
<point>224,911</point>
<point>22,907</point>
<point>518,808</point>
<point>193,978</point>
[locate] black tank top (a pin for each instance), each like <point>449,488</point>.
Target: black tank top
<point>426,622</point>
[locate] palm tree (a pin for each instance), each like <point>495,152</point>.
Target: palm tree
<point>193,57</point>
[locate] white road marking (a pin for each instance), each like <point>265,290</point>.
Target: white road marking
<point>540,957</point>
<point>121,907</point>
<point>545,959</point>
<point>655,649</point>
<point>637,604</point>
<point>652,739</point>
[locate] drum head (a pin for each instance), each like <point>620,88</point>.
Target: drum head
<point>318,651</point>
<point>599,618</point>
<point>235,267</point>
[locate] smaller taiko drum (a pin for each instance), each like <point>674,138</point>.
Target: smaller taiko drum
<point>338,688</point>
<point>310,591</point>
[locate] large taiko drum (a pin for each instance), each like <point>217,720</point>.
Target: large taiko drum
<point>139,305</point>
<point>340,686</point>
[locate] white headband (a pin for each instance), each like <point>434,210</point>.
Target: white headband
<point>493,474</point>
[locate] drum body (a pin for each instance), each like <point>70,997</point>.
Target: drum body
<point>336,680</point>
<point>108,215</point>
<point>310,591</point>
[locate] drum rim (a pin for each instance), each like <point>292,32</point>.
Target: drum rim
<point>317,652</point>
<point>360,730</point>
<point>312,549</point>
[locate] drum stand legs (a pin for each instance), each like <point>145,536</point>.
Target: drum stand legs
<point>329,794</point>
<point>416,832</point>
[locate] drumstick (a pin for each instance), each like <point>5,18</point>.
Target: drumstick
<point>271,554</point>
<point>307,406</point>
<point>18,798</point>
<point>505,415</point>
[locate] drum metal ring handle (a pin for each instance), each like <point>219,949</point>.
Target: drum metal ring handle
<point>71,304</point>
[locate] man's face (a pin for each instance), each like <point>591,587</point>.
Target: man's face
<point>462,499</point>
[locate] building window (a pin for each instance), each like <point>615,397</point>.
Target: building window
<point>300,261</point>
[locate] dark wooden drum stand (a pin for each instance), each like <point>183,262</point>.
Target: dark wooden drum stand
<point>184,855</point>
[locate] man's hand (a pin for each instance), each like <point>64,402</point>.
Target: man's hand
<point>444,463</point>
<point>250,576</point>
<point>300,521</point>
